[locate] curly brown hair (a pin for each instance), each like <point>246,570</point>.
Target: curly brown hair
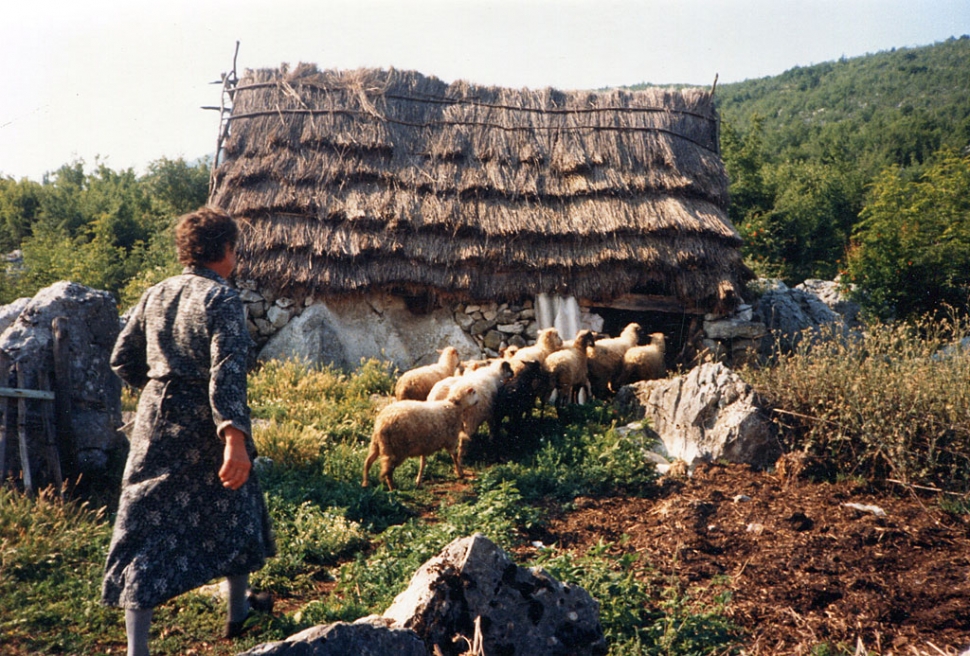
<point>201,236</point>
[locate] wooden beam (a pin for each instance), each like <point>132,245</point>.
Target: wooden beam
<point>645,303</point>
<point>17,393</point>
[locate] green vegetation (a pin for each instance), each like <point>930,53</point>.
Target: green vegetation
<point>104,229</point>
<point>346,551</point>
<point>891,405</point>
<point>828,160</point>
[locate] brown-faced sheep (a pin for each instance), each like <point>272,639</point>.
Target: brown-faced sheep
<point>408,429</point>
<point>547,342</point>
<point>486,381</point>
<point>567,367</point>
<point>416,383</point>
<point>644,362</point>
<point>606,360</point>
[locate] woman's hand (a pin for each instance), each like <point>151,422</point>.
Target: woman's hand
<point>236,464</point>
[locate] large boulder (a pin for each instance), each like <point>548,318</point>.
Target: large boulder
<point>95,404</point>
<point>709,414</point>
<point>833,294</point>
<point>343,332</point>
<point>792,314</point>
<point>362,638</point>
<point>523,612</point>
<point>471,590</point>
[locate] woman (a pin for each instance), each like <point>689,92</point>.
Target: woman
<point>190,509</point>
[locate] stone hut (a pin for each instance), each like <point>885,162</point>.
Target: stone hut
<point>404,213</point>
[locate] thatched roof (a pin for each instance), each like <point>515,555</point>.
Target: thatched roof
<point>348,181</point>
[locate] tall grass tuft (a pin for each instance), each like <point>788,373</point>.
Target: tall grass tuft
<point>892,402</point>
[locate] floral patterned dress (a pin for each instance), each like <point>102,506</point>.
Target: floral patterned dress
<point>177,527</point>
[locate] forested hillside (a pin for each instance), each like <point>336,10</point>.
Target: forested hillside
<point>859,167</point>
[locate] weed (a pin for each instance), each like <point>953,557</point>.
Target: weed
<point>892,402</point>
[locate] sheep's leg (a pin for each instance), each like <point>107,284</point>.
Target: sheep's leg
<point>456,458</point>
<point>417,481</point>
<point>371,457</point>
<point>387,471</point>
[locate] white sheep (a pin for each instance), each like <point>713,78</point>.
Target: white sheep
<point>606,360</point>
<point>548,341</point>
<point>644,362</point>
<point>486,381</point>
<point>567,367</point>
<point>416,383</point>
<point>408,429</point>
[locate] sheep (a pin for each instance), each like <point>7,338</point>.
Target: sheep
<point>486,380</point>
<point>416,383</point>
<point>409,428</point>
<point>547,341</point>
<point>567,367</point>
<point>606,360</point>
<point>644,362</point>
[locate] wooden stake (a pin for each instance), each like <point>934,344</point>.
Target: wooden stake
<point>50,443</point>
<point>5,406</point>
<point>22,434</point>
<point>63,391</point>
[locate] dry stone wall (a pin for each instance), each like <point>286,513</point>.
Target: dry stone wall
<point>493,326</point>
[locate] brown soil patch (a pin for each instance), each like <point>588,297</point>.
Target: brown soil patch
<point>803,567</point>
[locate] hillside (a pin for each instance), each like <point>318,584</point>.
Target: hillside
<point>898,106</point>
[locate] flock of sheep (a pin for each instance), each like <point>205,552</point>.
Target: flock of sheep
<point>440,406</point>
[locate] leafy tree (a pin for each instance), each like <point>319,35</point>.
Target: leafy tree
<point>20,204</point>
<point>795,216</point>
<point>176,187</point>
<point>910,253</point>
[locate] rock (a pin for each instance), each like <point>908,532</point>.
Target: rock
<point>790,314</point>
<point>831,293</point>
<point>343,332</point>
<point>709,414</point>
<point>95,405</point>
<point>370,638</point>
<point>10,312</point>
<point>524,612</point>
<point>732,328</point>
<point>277,316</point>
<point>493,340</point>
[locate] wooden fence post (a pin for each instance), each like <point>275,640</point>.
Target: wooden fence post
<point>4,379</point>
<point>50,439</point>
<point>62,397</point>
<point>22,433</point>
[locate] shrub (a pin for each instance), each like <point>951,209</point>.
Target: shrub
<point>892,402</point>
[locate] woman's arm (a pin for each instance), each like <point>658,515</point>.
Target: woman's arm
<point>129,359</point>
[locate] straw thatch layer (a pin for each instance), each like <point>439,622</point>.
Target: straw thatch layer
<point>371,179</point>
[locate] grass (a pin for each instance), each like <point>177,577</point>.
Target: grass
<point>887,404</point>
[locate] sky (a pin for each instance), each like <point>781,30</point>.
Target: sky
<point>122,82</point>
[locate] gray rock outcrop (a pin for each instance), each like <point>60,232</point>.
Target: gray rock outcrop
<point>471,590</point>
<point>831,293</point>
<point>362,638</point>
<point>95,404</point>
<point>709,414</point>
<point>791,314</point>
<point>342,333</point>
<point>524,612</point>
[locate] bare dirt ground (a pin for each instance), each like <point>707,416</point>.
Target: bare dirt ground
<point>804,568</point>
